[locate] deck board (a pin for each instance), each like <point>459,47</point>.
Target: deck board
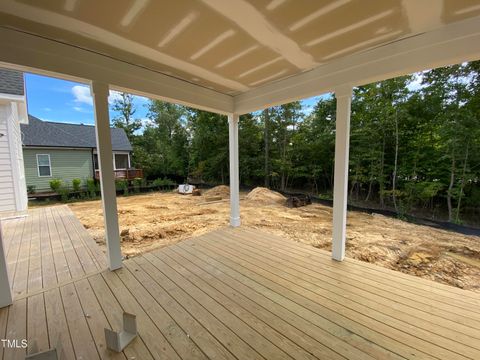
<point>47,248</point>
<point>231,294</point>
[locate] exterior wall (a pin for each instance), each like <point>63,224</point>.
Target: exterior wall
<point>16,154</point>
<point>7,190</point>
<point>66,164</point>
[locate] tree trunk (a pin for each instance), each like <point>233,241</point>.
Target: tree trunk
<point>284,157</point>
<point>462,185</point>
<point>266,117</point>
<point>382,176</point>
<point>369,190</point>
<point>450,188</point>
<point>394,180</point>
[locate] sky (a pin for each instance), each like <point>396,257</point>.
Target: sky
<point>52,99</point>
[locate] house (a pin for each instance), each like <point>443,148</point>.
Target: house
<point>13,112</point>
<point>54,150</point>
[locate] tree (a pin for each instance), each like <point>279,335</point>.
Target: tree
<point>125,119</point>
<point>164,143</point>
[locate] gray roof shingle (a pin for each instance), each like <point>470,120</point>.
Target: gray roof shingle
<point>11,82</point>
<point>53,134</point>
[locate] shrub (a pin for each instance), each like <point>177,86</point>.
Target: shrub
<point>31,189</point>
<point>91,187</point>
<point>137,183</point>
<point>162,182</point>
<point>122,185</point>
<point>55,185</point>
<point>64,193</point>
<point>76,184</point>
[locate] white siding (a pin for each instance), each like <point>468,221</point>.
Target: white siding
<point>7,190</point>
<point>13,194</point>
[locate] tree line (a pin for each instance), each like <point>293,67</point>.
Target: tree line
<point>414,143</point>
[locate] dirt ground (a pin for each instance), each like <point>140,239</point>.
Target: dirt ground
<point>158,219</point>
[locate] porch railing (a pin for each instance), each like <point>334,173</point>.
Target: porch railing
<point>125,174</point>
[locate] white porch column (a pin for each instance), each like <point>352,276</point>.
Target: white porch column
<point>340,187</point>
<point>5,292</point>
<point>234,173</point>
<point>100,93</point>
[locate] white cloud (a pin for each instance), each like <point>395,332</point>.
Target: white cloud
<point>47,109</point>
<point>82,110</point>
<point>82,94</point>
<point>114,95</point>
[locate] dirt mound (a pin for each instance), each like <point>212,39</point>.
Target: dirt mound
<point>221,190</point>
<point>265,196</point>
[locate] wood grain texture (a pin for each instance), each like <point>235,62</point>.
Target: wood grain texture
<point>240,294</point>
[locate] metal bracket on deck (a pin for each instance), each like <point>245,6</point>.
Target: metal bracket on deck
<point>117,341</point>
<point>52,354</point>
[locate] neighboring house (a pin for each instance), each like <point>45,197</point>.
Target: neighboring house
<point>63,151</point>
<point>13,112</point>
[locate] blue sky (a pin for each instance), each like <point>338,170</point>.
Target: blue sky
<point>58,100</point>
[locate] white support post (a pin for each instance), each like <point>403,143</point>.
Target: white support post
<point>340,187</point>
<point>234,173</point>
<point>5,292</point>
<point>100,93</point>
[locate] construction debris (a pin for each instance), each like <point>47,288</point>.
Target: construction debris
<point>117,341</point>
<point>299,200</point>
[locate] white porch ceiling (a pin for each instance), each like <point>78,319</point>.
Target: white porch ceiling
<point>234,48</point>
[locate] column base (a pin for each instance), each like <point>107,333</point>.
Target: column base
<point>235,222</point>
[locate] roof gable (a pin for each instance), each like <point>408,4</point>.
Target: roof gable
<point>11,82</point>
<point>52,134</point>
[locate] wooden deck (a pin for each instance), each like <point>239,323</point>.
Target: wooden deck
<point>48,247</point>
<point>244,294</point>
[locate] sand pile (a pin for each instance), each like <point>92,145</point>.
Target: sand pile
<point>221,190</point>
<point>265,196</point>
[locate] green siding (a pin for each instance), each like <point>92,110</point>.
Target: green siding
<point>66,164</point>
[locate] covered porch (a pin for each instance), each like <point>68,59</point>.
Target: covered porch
<point>260,296</point>
<point>244,294</point>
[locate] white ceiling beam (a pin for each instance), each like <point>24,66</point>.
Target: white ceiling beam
<point>249,19</point>
<point>451,44</point>
<point>35,54</point>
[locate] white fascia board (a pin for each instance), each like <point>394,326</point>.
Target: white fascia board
<point>10,97</point>
<point>32,53</point>
<point>451,44</point>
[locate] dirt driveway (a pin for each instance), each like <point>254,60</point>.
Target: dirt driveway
<point>157,219</point>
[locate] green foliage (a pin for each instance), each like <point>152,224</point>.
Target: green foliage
<point>31,189</point>
<point>55,185</point>
<point>92,187</point>
<point>124,107</point>
<point>64,193</point>
<point>162,182</point>
<point>122,185</point>
<point>137,184</point>
<point>76,185</point>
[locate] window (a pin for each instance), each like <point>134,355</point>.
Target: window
<point>95,161</point>
<point>43,164</point>
<point>121,161</point>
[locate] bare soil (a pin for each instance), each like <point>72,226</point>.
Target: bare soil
<point>158,219</point>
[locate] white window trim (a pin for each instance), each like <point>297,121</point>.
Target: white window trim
<point>115,165</point>
<point>49,165</point>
